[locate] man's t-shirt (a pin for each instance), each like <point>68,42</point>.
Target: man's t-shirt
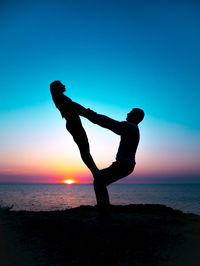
<point>129,142</point>
<point>128,131</point>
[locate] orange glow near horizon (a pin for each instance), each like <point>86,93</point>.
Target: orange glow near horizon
<point>68,181</point>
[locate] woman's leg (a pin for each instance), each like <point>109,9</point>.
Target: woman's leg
<point>87,159</point>
<point>74,126</point>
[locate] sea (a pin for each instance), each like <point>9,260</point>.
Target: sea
<point>52,197</point>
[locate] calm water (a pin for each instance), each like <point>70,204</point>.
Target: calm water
<point>43,197</point>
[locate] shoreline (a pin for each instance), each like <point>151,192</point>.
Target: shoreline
<point>36,197</point>
<point>143,234</point>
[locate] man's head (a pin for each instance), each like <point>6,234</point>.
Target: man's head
<point>135,116</point>
<point>57,87</point>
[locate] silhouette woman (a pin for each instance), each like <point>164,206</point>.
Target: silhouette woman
<point>70,111</point>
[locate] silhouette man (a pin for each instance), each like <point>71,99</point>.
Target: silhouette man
<point>125,158</point>
<point>69,111</point>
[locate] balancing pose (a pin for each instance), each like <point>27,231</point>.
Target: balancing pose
<point>125,158</point>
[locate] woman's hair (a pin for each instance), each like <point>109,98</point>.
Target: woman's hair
<point>57,87</point>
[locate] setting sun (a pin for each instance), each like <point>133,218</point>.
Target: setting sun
<point>68,181</point>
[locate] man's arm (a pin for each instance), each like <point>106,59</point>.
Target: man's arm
<point>101,120</point>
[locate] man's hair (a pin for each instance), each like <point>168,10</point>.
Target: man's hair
<point>137,115</point>
<point>57,87</point>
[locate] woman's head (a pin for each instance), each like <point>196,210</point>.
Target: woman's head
<point>57,87</point>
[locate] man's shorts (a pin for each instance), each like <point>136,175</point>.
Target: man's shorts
<point>116,171</point>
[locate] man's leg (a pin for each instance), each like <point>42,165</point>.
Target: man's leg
<point>102,197</point>
<point>104,178</point>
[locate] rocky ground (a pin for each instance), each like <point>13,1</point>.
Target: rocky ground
<point>135,235</point>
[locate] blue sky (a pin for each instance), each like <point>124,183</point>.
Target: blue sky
<point>112,56</point>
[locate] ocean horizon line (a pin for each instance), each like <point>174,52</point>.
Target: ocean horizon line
<point>58,183</point>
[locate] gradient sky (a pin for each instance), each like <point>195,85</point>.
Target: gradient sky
<point>112,56</point>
